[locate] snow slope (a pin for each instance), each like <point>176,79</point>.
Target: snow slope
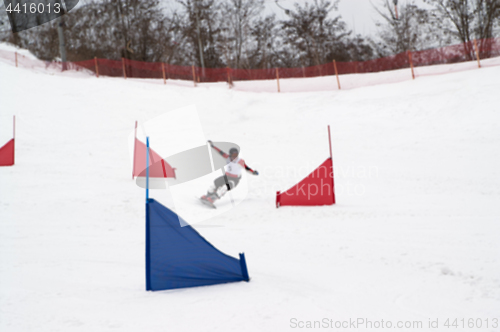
<point>414,235</point>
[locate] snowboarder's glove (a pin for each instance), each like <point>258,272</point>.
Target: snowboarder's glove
<point>255,173</point>
<point>210,142</point>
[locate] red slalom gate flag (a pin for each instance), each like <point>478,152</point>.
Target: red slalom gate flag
<point>7,153</point>
<point>158,168</point>
<point>316,189</point>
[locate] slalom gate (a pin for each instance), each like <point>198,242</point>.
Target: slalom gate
<point>7,152</point>
<point>318,188</point>
<point>177,256</point>
<point>158,167</point>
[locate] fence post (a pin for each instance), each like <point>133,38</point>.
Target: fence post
<point>411,65</point>
<point>477,53</point>
<point>303,72</point>
<point>194,76</point>
<point>96,67</point>
<point>163,70</point>
<point>278,79</point>
<point>336,72</point>
<point>229,80</point>
<point>124,72</point>
<point>16,59</point>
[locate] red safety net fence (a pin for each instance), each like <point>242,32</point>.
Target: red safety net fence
<point>137,69</point>
<point>29,61</point>
<point>486,48</point>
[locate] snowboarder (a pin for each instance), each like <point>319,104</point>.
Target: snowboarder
<point>231,177</point>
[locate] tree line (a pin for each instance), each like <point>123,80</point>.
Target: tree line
<point>238,33</point>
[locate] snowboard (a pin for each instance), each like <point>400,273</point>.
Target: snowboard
<point>206,202</point>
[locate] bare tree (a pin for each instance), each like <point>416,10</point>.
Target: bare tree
<point>112,29</point>
<point>265,32</point>
<point>240,17</point>
<point>468,19</point>
<point>487,20</point>
<point>201,27</point>
<point>412,28</point>
<point>314,35</point>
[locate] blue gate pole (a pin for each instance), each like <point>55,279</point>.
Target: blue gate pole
<point>148,255</point>
<point>147,169</point>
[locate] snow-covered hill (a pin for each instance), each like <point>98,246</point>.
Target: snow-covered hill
<point>414,235</point>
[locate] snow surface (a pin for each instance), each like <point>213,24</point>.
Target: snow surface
<point>414,235</point>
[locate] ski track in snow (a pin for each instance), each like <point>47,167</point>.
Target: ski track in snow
<point>414,234</point>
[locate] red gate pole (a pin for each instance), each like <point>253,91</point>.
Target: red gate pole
<point>96,67</point>
<point>477,53</point>
<point>331,157</point>
<point>336,73</point>
<point>135,144</point>
<point>14,137</point>
<point>278,79</point>
<point>330,142</point>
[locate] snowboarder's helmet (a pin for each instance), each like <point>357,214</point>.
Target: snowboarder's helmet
<point>233,153</point>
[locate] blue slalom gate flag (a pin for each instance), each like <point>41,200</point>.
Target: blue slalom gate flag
<point>179,257</point>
